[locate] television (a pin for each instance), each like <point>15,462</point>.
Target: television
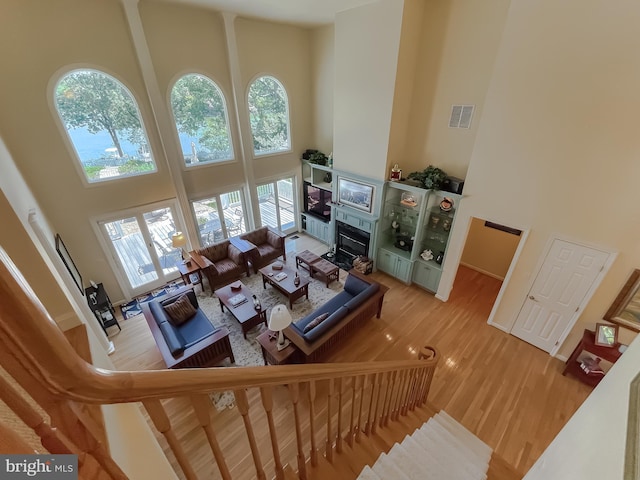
<point>317,201</point>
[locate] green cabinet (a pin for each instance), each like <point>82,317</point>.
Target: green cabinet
<point>317,228</point>
<point>394,264</point>
<point>426,275</point>
<point>415,223</point>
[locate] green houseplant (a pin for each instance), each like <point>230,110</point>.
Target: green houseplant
<point>431,177</point>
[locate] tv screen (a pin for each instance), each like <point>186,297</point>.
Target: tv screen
<point>317,201</point>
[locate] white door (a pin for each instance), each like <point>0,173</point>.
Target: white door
<point>568,273</point>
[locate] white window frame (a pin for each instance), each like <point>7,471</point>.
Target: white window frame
<point>183,163</point>
<point>289,149</point>
<point>66,138</point>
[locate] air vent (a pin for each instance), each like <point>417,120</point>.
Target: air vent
<point>461,116</point>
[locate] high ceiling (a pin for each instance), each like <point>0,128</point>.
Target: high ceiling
<point>301,12</point>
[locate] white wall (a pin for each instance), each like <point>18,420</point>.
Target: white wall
<point>366,57</point>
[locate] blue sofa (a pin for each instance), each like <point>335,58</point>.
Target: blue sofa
<point>360,300</point>
<point>194,343</point>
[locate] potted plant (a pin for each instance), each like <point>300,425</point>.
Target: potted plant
<point>431,177</point>
<point>318,158</point>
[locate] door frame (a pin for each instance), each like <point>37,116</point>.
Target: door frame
<point>108,249</point>
<point>296,185</point>
<point>587,297</point>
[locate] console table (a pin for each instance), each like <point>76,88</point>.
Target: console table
<point>587,343</point>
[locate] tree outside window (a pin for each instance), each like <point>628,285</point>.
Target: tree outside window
<point>269,116</point>
<point>201,119</point>
<point>103,123</point>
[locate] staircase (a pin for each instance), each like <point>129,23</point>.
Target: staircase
<point>441,449</point>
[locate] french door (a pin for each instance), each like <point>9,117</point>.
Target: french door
<point>278,204</point>
<point>141,247</point>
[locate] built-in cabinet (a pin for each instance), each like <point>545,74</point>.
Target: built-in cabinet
<point>317,175</point>
<point>353,220</point>
<point>317,228</point>
<point>415,226</point>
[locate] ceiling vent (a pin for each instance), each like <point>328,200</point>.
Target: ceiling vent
<point>461,116</point>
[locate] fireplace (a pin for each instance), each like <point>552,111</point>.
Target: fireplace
<point>351,242</point>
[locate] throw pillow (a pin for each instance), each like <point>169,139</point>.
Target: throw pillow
<point>180,311</point>
<point>315,322</point>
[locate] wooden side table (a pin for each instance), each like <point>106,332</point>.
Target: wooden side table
<point>270,351</point>
<point>587,343</point>
<point>188,269</point>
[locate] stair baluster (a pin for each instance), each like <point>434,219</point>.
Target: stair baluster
<point>354,383</point>
<point>372,399</point>
<point>329,444</point>
<point>339,433</point>
<point>202,407</point>
<point>294,392</point>
<point>266,394</point>
<point>313,454</point>
<point>163,425</point>
<point>363,389</point>
<point>243,408</point>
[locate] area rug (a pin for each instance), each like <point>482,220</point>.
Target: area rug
<point>134,307</point>
<point>247,352</point>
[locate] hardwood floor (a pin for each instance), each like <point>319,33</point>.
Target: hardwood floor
<point>510,394</point>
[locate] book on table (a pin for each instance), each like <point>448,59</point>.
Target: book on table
<point>280,276</point>
<point>237,300</point>
<point>591,366</point>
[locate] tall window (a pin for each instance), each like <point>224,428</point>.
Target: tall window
<point>201,119</point>
<point>104,125</point>
<point>269,116</point>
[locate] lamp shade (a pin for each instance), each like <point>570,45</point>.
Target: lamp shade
<point>178,240</point>
<point>280,318</point>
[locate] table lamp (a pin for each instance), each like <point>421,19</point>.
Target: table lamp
<point>178,240</point>
<point>280,319</point>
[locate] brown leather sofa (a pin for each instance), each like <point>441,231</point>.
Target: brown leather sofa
<point>223,263</point>
<point>269,244</point>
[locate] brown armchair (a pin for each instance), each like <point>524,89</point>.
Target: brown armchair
<point>224,263</point>
<point>269,244</point>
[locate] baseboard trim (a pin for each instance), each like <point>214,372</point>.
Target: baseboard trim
<point>484,272</point>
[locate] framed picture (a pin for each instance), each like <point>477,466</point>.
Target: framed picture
<point>606,335</point>
<point>68,262</point>
<point>355,194</point>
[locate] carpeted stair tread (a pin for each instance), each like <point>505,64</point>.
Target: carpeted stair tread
<point>458,443</point>
<point>368,474</point>
<point>430,461</point>
<point>410,465</point>
<point>459,463</point>
<point>463,434</point>
<point>385,468</point>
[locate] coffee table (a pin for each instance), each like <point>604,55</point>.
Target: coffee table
<point>287,285</point>
<point>245,313</point>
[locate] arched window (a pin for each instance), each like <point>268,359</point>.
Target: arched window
<point>104,125</point>
<point>201,119</point>
<point>269,116</point>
